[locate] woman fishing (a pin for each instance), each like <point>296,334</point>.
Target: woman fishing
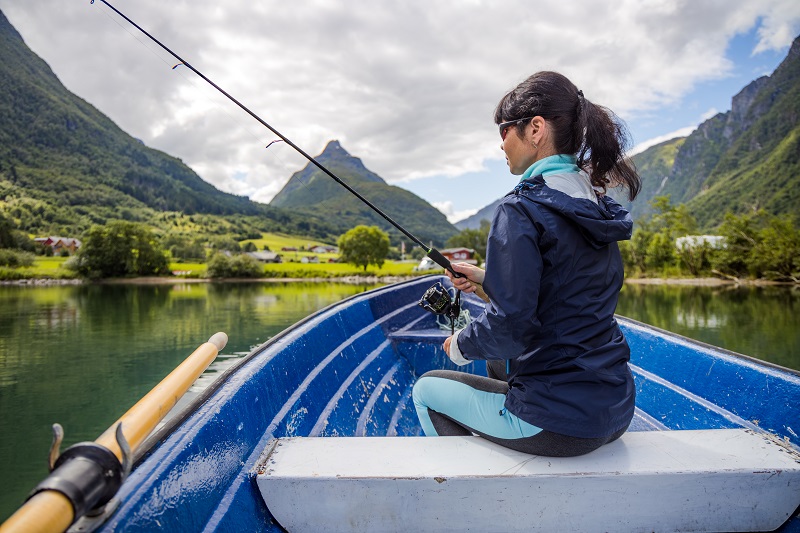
<point>559,382</point>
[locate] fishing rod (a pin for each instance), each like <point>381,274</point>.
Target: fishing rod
<point>431,252</point>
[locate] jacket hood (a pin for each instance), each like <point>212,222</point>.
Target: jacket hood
<point>600,223</point>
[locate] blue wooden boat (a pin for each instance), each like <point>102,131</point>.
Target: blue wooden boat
<point>707,420</point>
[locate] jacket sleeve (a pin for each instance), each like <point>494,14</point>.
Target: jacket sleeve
<point>507,326</point>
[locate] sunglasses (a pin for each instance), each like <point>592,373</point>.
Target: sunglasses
<point>505,125</point>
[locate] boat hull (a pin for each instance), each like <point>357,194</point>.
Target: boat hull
<point>348,370</point>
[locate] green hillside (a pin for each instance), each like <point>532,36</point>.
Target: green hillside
<point>65,166</point>
<point>740,161</point>
<point>312,191</point>
<point>654,166</point>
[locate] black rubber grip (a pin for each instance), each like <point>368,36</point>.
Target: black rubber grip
<point>88,474</point>
<point>443,262</point>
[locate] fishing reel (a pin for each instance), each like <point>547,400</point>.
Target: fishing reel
<point>442,303</point>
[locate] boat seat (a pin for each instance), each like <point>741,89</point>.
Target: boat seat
<point>704,480</point>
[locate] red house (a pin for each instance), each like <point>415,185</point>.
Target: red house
<point>59,244</point>
<point>460,255</point>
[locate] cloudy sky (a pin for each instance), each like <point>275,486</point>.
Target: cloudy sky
<point>407,86</point>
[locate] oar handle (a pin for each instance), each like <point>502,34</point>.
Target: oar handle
<point>52,511</point>
<point>142,418</point>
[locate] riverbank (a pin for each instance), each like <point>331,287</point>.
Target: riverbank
<point>707,282</point>
<point>367,280</point>
<point>351,280</point>
<point>173,280</point>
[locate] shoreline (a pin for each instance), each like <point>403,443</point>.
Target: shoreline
<point>167,280</point>
<point>709,282</point>
<point>367,280</point>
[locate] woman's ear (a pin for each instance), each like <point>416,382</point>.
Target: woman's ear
<point>538,130</point>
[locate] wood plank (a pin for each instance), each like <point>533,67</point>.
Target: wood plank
<point>709,480</point>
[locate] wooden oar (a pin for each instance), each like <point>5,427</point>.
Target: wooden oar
<point>50,510</point>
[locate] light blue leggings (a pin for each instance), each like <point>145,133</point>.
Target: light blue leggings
<point>457,403</point>
<point>474,403</point>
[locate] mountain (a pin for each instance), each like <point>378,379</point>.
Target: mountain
<point>474,221</point>
<point>747,158</point>
<point>64,165</point>
<point>312,191</point>
<point>654,166</point>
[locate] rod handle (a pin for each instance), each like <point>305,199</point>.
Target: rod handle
<point>443,262</point>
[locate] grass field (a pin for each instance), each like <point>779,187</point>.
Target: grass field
<point>307,270</point>
<point>188,270</point>
<point>291,267</point>
<point>45,267</point>
<point>277,241</point>
<point>335,270</point>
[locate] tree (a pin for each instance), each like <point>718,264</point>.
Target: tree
<point>777,253</point>
<point>237,266</point>
<point>183,248</point>
<point>652,246</point>
<point>120,249</point>
<point>363,246</point>
<point>759,245</point>
<point>475,239</point>
<point>6,233</point>
<point>741,237</point>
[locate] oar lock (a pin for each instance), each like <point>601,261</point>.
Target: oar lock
<point>88,475</point>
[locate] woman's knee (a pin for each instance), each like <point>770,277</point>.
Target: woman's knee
<point>422,390</point>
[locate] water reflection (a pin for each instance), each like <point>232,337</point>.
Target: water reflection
<point>83,355</point>
<point>762,322</point>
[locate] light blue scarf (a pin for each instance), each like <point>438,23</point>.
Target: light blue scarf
<point>554,164</point>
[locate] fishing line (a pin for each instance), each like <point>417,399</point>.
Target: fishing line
<point>434,254</point>
<point>273,154</point>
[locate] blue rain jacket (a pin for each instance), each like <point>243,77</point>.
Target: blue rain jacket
<point>553,275</point>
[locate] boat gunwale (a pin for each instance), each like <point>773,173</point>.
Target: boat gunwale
<point>711,347</point>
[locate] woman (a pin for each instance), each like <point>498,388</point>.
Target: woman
<point>559,382</point>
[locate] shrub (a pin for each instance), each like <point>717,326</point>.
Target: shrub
<point>237,266</point>
<point>15,258</point>
<point>120,249</point>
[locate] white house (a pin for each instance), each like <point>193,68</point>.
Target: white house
<point>714,242</point>
<point>323,249</point>
<point>265,257</point>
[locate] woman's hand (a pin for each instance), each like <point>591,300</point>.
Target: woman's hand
<point>473,281</point>
<point>446,345</point>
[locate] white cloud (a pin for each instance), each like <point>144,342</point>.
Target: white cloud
<point>644,145</point>
<point>409,87</point>
<point>682,132</point>
<point>452,215</point>
<point>779,26</point>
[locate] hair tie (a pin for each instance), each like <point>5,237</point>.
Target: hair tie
<point>581,101</point>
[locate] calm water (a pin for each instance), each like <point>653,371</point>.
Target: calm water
<point>82,355</point>
<point>762,322</point>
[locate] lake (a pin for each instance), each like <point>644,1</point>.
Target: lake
<point>82,355</point>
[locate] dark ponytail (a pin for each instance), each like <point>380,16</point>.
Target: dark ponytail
<point>591,132</point>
